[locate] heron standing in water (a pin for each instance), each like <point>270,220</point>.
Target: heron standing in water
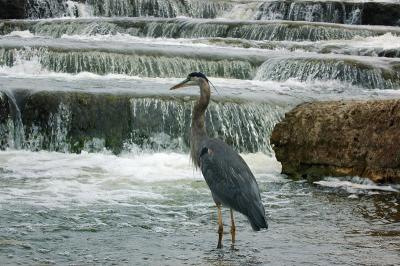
<point>229,178</point>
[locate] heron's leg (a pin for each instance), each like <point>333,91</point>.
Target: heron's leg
<point>233,230</point>
<point>220,227</point>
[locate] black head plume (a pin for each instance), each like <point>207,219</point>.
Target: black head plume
<point>201,75</point>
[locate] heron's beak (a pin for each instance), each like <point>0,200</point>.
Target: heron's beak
<point>181,85</point>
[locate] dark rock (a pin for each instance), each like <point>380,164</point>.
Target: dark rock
<point>340,139</point>
<point>12,9</point>
<point>4,117</point>
<point>381,14</point>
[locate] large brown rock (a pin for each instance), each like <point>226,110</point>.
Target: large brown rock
<point>340,139</point>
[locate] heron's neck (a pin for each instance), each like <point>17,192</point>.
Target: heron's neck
<point>198,129</point>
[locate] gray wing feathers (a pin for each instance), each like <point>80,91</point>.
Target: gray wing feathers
<point>231,182</point>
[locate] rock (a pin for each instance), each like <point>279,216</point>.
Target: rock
<point>12,9</point>
<point>4,118</point>
<point>340,139</point>
<point>381,14</point>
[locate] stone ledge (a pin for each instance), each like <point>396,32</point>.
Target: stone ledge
<point>340,138</point>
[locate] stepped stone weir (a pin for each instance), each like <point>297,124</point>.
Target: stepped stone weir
<point>194,28</point>
<point>374,13</point>
<point>75,121</point>
<point>72,56</point>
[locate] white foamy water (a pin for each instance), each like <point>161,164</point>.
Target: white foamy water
<point>385,41</point>
<point>355,185</point>
<point>58,179</point>
<point>21,34</point>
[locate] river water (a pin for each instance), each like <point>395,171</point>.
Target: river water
<point>94,164</point>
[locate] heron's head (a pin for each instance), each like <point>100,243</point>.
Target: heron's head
<point>193,79</point>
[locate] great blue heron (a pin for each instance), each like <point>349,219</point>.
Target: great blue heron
<point>230,180</point>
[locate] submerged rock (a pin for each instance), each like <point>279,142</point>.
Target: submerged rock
<point>340,139</point>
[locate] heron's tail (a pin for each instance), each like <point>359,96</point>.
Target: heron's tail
<point>257,217</point>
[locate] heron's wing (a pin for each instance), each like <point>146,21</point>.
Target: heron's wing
<point>230,179</point>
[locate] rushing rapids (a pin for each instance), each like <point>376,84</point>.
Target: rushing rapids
<point>93,145</point>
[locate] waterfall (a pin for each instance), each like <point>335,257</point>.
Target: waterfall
<point>46,8</point>
<point>183,28</point>
<point>371,73</point>
<point>159,8</point>
<point>333,12</point>
<point>72,122</point>
<point>347,12</point>
<point>306,69</point>
<point>133,65</point>
<point>312,11</point>
<point>243,126</point>
<point>51,135</point>
<point>11,126</point>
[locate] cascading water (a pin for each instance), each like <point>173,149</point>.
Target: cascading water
<point>347,12</point>
<point>94,164</point>
<point>305,69</point>
<point>334,12</point>
<point>371,73</point>
<point>241,125</point>
<point>11,126</point>
<point>127,8</point>
<point>134,65</point>
<point>184,28</point>
<point>152,124</point>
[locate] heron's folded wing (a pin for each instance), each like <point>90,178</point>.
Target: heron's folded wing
<point>229,177</point>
